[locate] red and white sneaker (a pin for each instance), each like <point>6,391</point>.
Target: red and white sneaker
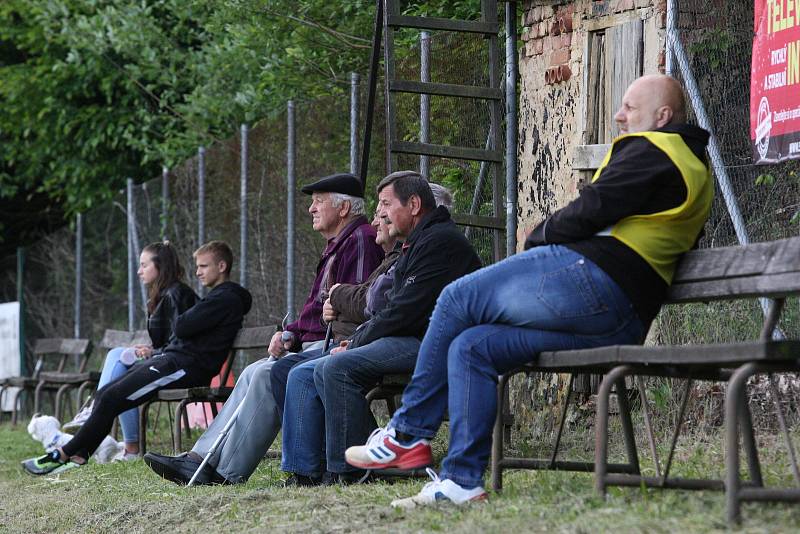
<point>383,451</point>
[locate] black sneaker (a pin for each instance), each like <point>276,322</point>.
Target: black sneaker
<point>180,469</point>
<point>346,479</point>
<point>296,480</point>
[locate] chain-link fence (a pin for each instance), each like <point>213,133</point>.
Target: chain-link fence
<point>717,38</point>
<point>323,146</point>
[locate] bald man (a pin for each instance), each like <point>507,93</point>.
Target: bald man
<point>594,273</point>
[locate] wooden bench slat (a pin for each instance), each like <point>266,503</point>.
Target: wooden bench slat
<point>721,355</point>
<point>773,286</point>
<point>254,337</point>
<point>772,257</point>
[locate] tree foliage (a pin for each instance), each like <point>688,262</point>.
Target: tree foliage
<point>95,91</point>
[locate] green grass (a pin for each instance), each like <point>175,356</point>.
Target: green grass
<point>129,497</point>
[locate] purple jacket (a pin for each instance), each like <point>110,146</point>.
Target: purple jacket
<point>349,258</point>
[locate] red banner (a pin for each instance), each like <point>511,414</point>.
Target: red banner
<point>775,81</point>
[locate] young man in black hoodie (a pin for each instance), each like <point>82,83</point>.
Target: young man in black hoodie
<point>202,338</point>
<point>326,409</point>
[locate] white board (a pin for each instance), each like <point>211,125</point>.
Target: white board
<point>9,348</point>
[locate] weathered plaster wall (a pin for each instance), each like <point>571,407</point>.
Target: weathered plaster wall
<point>551,124</point>
<point>552,112</point>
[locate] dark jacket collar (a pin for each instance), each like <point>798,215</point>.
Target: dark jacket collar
<point>437,216</point>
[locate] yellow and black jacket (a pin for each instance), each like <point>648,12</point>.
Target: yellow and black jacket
<point>645,207</point>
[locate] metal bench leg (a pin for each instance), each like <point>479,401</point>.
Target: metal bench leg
<point>176,436</point>
<point>627,425</point>
<point>749,444</point>
<point>601,426</point>
<point>143,428</point>
<point>735,404</point>
<point>784,429</point>
<point>60,401</point>
<point>37,397</point>
<point>16,406</point>
<point>561,423</point>
<point>497,440</point>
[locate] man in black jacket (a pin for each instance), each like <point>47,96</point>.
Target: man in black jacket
<point>203,336</point>
<point>594,274</point>
<point>326,408</point>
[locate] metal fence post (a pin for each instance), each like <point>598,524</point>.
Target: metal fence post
<point>424,100</point>
<point>290,187</point>
<point>201,204</point>
<point>164,202</point>
<point>511,128</point>
<point>23,362</point>
<point>243,211</point>
<point>131,308</point>
<point>354,97</point>
<point>78,273</point>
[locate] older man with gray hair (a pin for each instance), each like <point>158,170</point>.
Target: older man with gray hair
<point>337,212</point>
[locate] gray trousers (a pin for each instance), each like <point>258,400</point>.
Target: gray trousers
<point>252,434</point>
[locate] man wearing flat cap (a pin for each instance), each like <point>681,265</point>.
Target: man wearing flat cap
<point>337,212</point>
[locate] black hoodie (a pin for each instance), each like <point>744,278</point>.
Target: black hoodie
<point>435,254</point>
<point>204,333</point>
<point>639,179</point>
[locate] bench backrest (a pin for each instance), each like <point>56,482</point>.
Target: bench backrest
<point>124,338</point>
<point>255,337</point>
<point>770,269</point>
<point>61,349</point>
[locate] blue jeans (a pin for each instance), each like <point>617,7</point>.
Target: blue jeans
<point>113,369</point>
<point>494,320</point>
<point>326,408</point>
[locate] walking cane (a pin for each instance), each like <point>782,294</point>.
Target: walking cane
<point>216,443</point>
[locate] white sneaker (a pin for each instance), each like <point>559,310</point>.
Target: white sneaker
<point>438,491</point>
<point>126,456</point>
<point>80,418</point>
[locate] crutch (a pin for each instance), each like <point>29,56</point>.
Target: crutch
<point>216,443</point>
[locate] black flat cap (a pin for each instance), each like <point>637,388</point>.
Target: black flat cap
<point>344,183</point>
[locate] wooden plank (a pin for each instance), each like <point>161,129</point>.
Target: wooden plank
<point>589,157</point>
<point>480,221</point>
<point>75,346</point>
<point>772,286</point>
<point>140,337</point>
<point>47,346</point>
<point>444,151</point>
<point>60,346</point>
<point>254,337</point>
<point>435,23</point>
<point>722,354</point>
<point>445,89</point>
<point>594,87</point>
<point>773,257</point>
<point>116,338</point>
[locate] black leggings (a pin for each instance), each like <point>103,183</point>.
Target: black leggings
<point>138,385</point>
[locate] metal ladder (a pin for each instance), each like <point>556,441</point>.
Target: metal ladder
<point>492,154</point>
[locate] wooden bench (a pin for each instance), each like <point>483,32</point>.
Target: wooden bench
<point>247,339</point>
<point>765,270</point>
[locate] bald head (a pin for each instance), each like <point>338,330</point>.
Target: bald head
<point>651,102</point>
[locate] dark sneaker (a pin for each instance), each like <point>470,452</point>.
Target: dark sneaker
<point>346,479</point>
<point>43,465</point>
<point>303,481</point>
<point>180,469</point>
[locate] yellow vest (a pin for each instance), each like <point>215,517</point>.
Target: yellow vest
<point>661,238</point>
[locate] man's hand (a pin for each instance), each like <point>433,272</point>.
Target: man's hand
<point>342,347</point>
<point>143,351</point>
<point>328,313</point>
<point>277,346</point>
